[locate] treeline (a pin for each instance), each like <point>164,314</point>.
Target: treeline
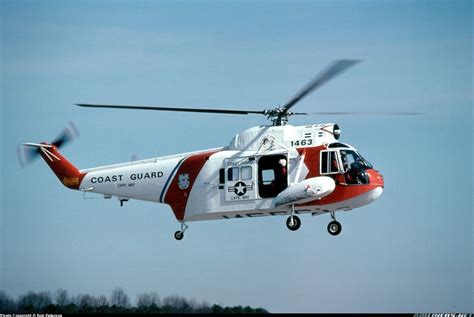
<point>118,302</point>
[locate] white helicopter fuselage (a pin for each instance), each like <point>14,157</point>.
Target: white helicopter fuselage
<point>265,170</point>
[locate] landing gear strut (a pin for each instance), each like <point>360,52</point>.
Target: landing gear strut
<point>334,227</point>
<point>293,222</point>
<point>178,235</point>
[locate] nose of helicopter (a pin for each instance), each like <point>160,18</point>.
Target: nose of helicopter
<point>377,182</point>
<point>376,178</point>
<point>371,192</point>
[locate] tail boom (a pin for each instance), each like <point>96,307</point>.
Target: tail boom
<point>66,172</point>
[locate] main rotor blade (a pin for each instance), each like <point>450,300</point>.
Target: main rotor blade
<point>338,113</point>
<point>333,70</point>
<point>224,111</point>
<point>69,134</point>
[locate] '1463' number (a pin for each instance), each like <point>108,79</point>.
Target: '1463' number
<point>303,142</point>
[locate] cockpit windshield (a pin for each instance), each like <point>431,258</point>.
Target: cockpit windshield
<point>349,157</point>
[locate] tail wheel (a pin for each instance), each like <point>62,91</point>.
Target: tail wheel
<point>334,228</point>
<point>178,235</point>
<point>293,223</point>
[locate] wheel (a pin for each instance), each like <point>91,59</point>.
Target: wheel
<point>334,228</point>
<point>178,235</point>
<point>293,225</point>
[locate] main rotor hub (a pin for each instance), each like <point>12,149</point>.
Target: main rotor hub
<point>279,115</point>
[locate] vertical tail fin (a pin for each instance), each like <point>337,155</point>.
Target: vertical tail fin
<point>66,172</point>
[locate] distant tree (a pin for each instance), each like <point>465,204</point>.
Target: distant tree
<point>52,309</point>
<point>247,310</point>
<point>34,302</point>
<point>84,301</point>
<point>202,308</point>
<point>70,308</point>
<point>7,305</point>
<point>237,309</point>
<point>193,304</point>
<point>261,311</point>
<point>102,309</point>
<point>41,302</point>
<point>119,298</point>
<point>143,300</point>
<point>217,309</point>
<point>101,301</point>
<point>61,298</point>
<point>148,299</point>
<point>177,304</point>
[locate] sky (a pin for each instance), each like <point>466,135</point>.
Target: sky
<point>409,251</point>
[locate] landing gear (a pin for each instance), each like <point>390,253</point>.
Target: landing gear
<point>334,227</point>
<point>179,235</point>
<point>293,222</point>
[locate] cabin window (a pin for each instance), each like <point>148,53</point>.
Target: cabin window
<point>329,162</point>
<point>268,176</point>
<point>233,174</point>
<point>221,176</point>
<point>246,173</point>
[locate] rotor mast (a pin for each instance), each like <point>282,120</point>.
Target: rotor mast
<point>278,116</point>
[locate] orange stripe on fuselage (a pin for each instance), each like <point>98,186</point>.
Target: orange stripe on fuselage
<point>176,197</point>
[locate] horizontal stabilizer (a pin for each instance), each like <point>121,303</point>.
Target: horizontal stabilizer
<point>38,145</point>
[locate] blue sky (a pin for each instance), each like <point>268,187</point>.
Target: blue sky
<point>410,251</point>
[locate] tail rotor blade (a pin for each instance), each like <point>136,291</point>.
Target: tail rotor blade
<point>27,154</point>
<point>69,134</point>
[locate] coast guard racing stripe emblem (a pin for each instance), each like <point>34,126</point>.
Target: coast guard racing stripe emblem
<point>183,181</point>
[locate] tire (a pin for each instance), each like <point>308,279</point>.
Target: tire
<point>334,228</point>
<point>178,235</point>
<point>296,223</point>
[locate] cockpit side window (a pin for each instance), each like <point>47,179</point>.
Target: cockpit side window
<point>349,157</point>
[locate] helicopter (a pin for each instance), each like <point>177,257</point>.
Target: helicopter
<point>268,170</point>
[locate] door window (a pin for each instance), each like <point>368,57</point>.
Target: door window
<point>233,174</point>
<point>246,173</point>
<point>329,162</point>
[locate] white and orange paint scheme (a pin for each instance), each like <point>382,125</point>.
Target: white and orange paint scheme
<point>263,171</point>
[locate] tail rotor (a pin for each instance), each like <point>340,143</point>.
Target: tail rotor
<point>68,135</point>
<point>28,152</point>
